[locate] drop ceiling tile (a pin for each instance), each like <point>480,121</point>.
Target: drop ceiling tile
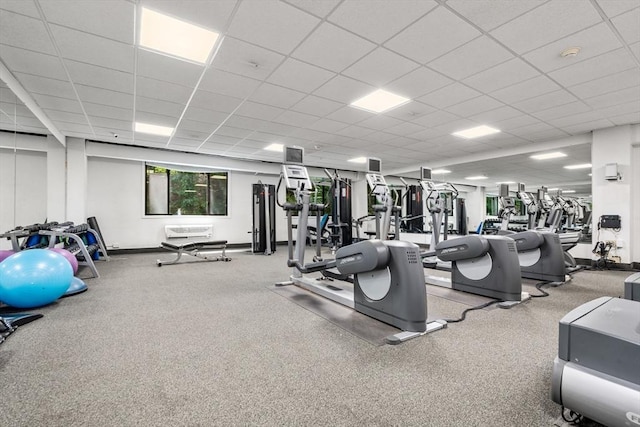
<point>426,134</point>
<point>587,127</point>
<point>437,33</point>
<point>419,82</point>
<point>84,47</point>
<point>185,142</point>
<point>410,111</point>
<point>45,86</point>
<point>349,115</point>
<point>238,57</point>
<point>379,122</point>
<point>547,135</point>
<point>449,95</point>
<point>562,111</point>
<point>232,132</point>
<point>165,91</point>
<point>625,119</point>
<point>25,33</point>
<point>471,58</point>
<point>259,111</point>
<point>380,67</point>
<point>98,110</point>
<point>202,115</point>
<point>489,14</point>
<point>378,137</point>
<point>30,62</point>
<point>593,41</point>
<point>458,125</point>
<point>310,135</point>
<point>607,84</point>
<point>165,68</point>
<point>404,129</point>
<point>263,137</point>
<point>527,89</point>
<point>510,72</point>
<point>327,125</point>
<point>620,109</point>
<point>63,116</point>
<point>355,131</point>
<point>244,122</point>
<point>56,103</point>
<point>105,78</point>
<point>276,95</point>
<point>317,106</point>
<point>628,25</point>
<point>112,124</point>
<point>294,118</point>
<point>516,122</point>
<point>436,119</point>
<point>474,106</point>
<point>274,25</point>
<point>81,130</point>
<point>574,119</point>
<point>496,115</point>
<point>635,48</point>
<point>615,98</point>
<point>209,14</point>
<point>228,84</point>
<point>546,24</point>
<point>112,20</point>
<point>599,66</point>
<point>105,97</point>
<point>378,20</point>
<point>332,48</point>
<point>20,6</point>
<point>300,76</point>
<point>344,89</point>
<point>616,7</point>
<point>194,126</point>
<point>277,128</point>
<point>157,106</point>
<point>156,119</point>
<point>214,101</point>
<point>545,101</point>
<point>12,109</point>
<point>317,8</point>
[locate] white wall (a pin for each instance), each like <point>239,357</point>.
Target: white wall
<point>613,145</point>
<point>23,189</point>
<point>635,200</point>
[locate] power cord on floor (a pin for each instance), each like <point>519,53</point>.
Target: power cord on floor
<point>478,307</point>
<point>539,287</point>
<point>574,417</point>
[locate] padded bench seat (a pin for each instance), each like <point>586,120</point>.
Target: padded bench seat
<point>196,249</point>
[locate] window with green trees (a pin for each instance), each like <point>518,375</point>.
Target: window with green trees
<point>175,192</point>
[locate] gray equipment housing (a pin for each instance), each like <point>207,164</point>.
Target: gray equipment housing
<point>632,287</point>
<point>483,265</point>
<point>597,370</point>
<point>540,255</point>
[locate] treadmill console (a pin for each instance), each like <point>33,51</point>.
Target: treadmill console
<point>508,202</point>
<point>377,183</point>
<point>296,177</point>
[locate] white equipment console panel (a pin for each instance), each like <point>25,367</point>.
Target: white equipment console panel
<point>296,177</point>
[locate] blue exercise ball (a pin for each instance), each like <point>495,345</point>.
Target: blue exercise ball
<point>33,278</point>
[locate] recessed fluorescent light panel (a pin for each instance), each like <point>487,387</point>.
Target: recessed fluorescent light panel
<point>358,160</point>
<point>476,177</point>
<point>440,171</point>
<point>582,166</point>
<point>568,191</point>
<point>275,147</point>
<point>547,156</point>
<point>380,101</point>
<point>174,37</point>
<point>153,129</point>
<point>476,132</point>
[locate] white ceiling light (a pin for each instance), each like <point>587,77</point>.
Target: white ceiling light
<point>153,129</point>
<point>358,160</point>
<point>581,166</point>
<point>552,189</point>
<point>275,147</point>
<point>441,171</point>
<point>570,52</point>
<point>547,156</point>
<point>568,191</point>
<point>380,101</point>
<point>590,174</point>
<point>506,182</point>
<point>171,36</point>
<point>476,177</point>
<point>476,132</point>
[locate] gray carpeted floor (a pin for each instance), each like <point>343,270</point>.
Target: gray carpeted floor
<point>209,344</point>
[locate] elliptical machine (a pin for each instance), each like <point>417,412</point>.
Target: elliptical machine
<point>388,281</point>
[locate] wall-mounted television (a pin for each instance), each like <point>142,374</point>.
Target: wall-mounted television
<point>294,155</point>
<point>374,165</point>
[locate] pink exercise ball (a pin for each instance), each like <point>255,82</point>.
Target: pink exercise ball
<point>5,254</point>
<point>69,256</point>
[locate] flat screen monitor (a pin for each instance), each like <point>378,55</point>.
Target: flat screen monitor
<point>425,174</point>
<point>375,165</point>
<point>293,155</point>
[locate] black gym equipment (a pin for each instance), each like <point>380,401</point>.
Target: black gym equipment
<point>264,219</point>
<point>9,322</point>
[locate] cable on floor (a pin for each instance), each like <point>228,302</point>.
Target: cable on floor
<point>478,307</point>
<point>539,287</point>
